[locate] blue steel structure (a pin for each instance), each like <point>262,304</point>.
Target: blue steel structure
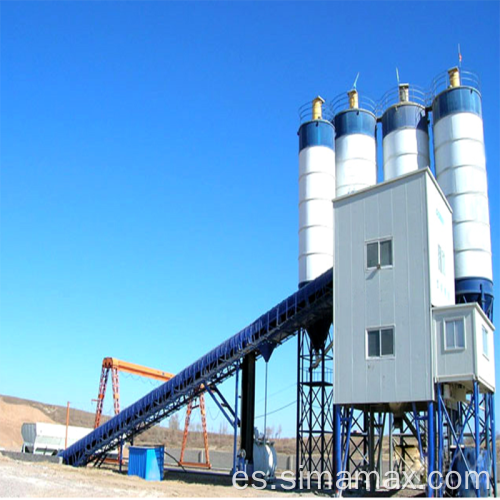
<point>473,419</point>
<point>459,440</point>
<point>282,322</point>
<point>314,435</point>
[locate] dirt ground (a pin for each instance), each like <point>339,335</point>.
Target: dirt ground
<point>25,479</point>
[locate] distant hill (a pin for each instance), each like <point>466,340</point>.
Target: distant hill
<point>15,411</point>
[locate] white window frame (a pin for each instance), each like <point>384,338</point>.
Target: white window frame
<point>379,329</point>
<point>379,241</point>
<point>454,349</point>
<point>485,338</point>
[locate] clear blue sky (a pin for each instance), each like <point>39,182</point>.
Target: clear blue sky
<point>149,170</point>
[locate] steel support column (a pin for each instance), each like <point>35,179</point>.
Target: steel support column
<point>431,441</point>
<point>235,426</point>
<point>248,408</point>
<point>314,406</point>
<point>440,444</point>
<point>337,444</point>
<point>493,436</point>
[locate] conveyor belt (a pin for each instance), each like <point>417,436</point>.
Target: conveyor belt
<point>306,306</point>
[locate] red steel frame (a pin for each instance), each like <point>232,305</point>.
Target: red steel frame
<point>115,365</point>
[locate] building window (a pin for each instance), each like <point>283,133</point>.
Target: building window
<point>454,334</point>
<point>485,343</point>
<point>441,261</point>
<point>380,342</point>
<point>379,254</point>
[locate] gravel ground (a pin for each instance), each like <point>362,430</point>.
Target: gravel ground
<point>26,479</point>
<point>43,479</point>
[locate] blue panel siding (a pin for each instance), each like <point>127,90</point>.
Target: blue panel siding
<point>355,121</point>
<point>456,100</point>
<point>404,116</point>
<point>316,133</point>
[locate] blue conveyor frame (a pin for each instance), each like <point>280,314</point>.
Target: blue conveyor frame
<point>309,304</point>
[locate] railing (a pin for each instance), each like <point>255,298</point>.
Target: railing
<point>419,95</point>
<point>416,95</point>
<point>442,82</point>
<point>341,103</point>
<point>305,112</point>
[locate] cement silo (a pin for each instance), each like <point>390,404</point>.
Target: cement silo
<point>404,131</point>
<point>316,191</point>
<point>461,173</point>
<point>355,143</point>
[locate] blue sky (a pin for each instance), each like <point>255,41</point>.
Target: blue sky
<point>149,170</point>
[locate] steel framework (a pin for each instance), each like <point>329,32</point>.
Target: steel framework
<point>314,445</point>
<point>359,437</point>
<point>192,405</point>
<point>466,440</point>
<point>451,437</point>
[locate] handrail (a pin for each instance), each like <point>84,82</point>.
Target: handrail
<point>420,95</point>
<point>305,112</point>
<point>341,103</point>
<point>416,95</point>
<point>442,82</point>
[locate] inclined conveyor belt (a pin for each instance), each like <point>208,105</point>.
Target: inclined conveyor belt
<point>309,304</point>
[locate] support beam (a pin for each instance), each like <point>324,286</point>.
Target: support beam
<point>491,399</point>
<point>248,407</point>
<point>236,397</point>
<point>431,440</point>
<point>440,432</point>
<point>337,444</point>
<point>391,449</point>
<point>371,450</point>
<point>477,430</point>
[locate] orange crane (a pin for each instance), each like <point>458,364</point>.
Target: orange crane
<point>115,366</point>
